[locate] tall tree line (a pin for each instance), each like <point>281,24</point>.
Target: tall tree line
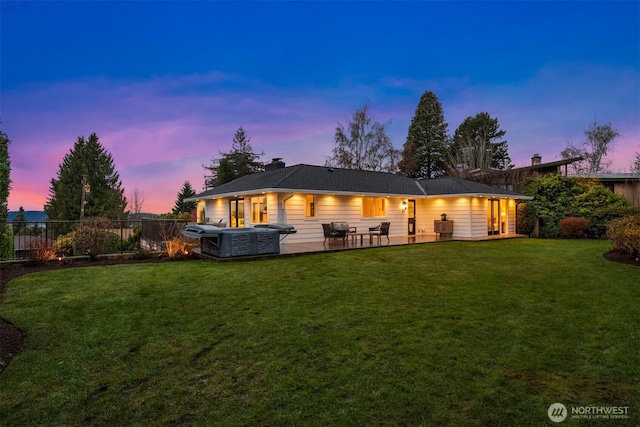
<point>430,152</point>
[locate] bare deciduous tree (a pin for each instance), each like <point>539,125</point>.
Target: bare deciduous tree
<point>364,145</point>
<point>593,150</point>
<point>635,166</point>
<point>137,201</point>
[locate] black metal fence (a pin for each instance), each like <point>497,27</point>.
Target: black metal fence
<point>18,239</point>
<point>154,232</point>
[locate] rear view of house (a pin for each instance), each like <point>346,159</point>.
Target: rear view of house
<point>307,196</point>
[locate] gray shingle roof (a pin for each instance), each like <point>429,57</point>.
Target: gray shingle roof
<point>320,178</point>
<point>324,179</point>
<point>448,185</point>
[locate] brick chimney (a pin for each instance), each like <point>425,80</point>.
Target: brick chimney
<point>276,163</point>
<point>536,159</point>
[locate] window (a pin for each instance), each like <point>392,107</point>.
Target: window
<point>311,206</point>
<point>374,206</point>
<point>259,210</point>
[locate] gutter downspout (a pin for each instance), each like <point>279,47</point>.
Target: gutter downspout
<point>285,200</point>
<point>284,208</point>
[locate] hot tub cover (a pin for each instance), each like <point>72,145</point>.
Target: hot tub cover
<point>199,231</point>
<point>282,228</point>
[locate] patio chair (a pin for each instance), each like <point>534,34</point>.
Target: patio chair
<point>381,230</point>
<point>333,232</point>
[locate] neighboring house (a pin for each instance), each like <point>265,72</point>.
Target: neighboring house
<point>307,196</point>
<point>626,185</point>
<point>513,179</point>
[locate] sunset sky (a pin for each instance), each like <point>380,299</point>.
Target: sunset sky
<point>166,84</point>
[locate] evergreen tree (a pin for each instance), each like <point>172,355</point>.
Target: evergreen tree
<point>424,152</point>
<point>240,161</point>
<point>6,233</point>
<point>182,206</point>
<point>20,222</point>
<point>106,197</point>
<point>5,181</point>
<point>478,144</point>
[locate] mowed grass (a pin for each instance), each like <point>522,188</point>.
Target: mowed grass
<point>456,333</point>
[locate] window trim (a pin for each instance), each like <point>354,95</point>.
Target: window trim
<point>314,206</point>
<point>375,201</point>
<point>262,214</point>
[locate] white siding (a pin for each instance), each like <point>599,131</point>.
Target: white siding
<point>479,217</point>
<point>338,208</point>
<point>468,213</point>
<point>216,210</point>
<point>511,216</point>
<point>458,209</point>
<point>290,209</point>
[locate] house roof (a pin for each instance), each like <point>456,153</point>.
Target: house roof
<point>449,185</point>
<point>609,177</point>
<point>551,164</point>
<point>322,179</point>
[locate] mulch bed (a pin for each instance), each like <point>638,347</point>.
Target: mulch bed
<point>622,258</point>
<point>11,337</point>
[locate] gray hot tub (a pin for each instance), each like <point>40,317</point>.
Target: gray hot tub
<point>234,242</point>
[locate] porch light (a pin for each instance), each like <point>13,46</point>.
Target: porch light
<point>403,206</point>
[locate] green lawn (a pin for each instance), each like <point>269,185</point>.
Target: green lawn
<point>455,333</point>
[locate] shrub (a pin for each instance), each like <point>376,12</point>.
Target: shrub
<point>179,247</point>
<point>132,243</point>
<point>557,197</point>
<point>624,234</point>
<point>40,251</point>
<point>6,243</point>
<point>142,253</point>
<point>64,244</point>
<point>525,219</point>
<point>93,236</point>
<point>574,227</point>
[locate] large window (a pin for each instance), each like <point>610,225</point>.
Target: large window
<point>311,206</point>
<point>374,206</point>
<point>259,210</point>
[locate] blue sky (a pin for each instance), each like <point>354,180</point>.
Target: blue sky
<point>166,84</point>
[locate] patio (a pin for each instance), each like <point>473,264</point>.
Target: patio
<point>349,244</point>
<point>292,249</point>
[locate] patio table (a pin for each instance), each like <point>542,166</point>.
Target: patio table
<point>355,234</point>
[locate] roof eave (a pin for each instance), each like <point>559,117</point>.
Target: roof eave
<point>486,195</point>
<point>299,190</point>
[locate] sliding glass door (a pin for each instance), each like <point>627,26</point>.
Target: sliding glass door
<point>493,216</point>
<point>236,213</point>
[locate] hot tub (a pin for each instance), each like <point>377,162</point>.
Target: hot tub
<point>234,242</point>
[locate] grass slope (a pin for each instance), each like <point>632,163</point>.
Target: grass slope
<point>455,333</point>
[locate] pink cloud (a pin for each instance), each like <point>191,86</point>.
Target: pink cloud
<point>161,131</point>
